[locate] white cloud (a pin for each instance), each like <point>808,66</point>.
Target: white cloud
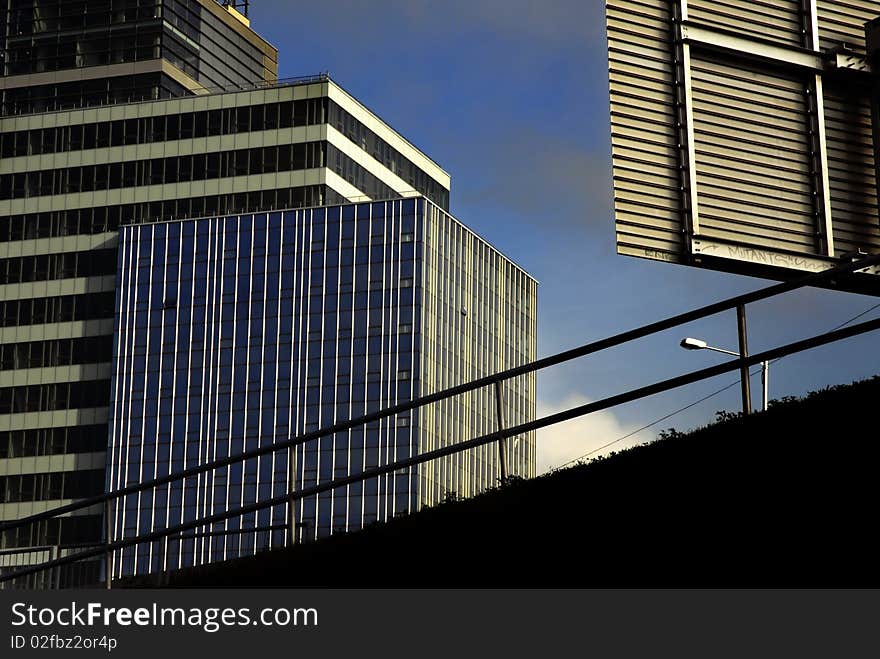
<point>566,441</point>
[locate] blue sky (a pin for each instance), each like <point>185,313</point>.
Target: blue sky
<point>511,98</point>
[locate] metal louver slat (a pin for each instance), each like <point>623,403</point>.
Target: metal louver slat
<point>777,21</point>
<point>733,135</point>
<point>843,21</point>
<point>738,141</point>
<point>852,179</point>
<point>647,199</point>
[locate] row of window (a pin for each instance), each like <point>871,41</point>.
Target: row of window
<point>80,529</point>
<point>359,177</point>
<point>337,318</point>
<point>180,54</point>
<point>53,441</point>
<point>41,225</point>
<point>48,487</point>
<point>223,122</point>
<point>56,352</point>
<point>366,139</point>
<point>158,171</point>
<point>88,93</point>
<point>56,396</point>
<point>55,224</point>
<point>42,53</point>
<point>58,309</point>
<point>335,223</point>
<point>28,17</point>
<point>108,218</point>
<point>43,267</point>
<point>85,573</point>
<point>149,130</point>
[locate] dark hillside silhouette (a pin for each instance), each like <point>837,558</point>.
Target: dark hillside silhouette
<point>785,498</point>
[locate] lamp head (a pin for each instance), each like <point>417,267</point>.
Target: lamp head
<point>693,344</point>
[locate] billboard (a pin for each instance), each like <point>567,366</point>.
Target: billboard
<point>742,134</point>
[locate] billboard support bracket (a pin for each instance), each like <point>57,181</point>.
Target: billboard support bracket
<point>685,118</point>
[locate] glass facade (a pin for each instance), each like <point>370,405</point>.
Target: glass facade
<point>54,35</point>
<point>164,127</point>
<point>209,48</point>
<point>159,171</point>
<point>97,91</point>
<point>160,149</point>
<point>235,332</point>
<point>198,40</point>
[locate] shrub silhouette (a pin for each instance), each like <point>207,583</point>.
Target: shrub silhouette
<point>783,498</point>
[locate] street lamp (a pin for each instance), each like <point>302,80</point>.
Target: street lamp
<point>698,344</point>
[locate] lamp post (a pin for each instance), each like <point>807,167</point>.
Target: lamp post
<point>698,344</point>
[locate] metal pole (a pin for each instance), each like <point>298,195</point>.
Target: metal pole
<point>108,555</point>
<point>743,353</point>
<point>765,383</point>
<point>502,442</point>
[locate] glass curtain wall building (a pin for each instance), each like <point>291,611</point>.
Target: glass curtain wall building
<point>75,164</point>
<point>238,331</point>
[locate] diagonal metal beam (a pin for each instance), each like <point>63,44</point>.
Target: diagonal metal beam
<point>824,277</point>
<point>573,413</point>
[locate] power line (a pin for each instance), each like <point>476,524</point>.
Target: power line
<point>653,423</point>
<point>854,318</point>
<point>697,402</point>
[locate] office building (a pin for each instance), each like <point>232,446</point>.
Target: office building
<point>75,163</point>
<point>238,331</point>
<point>68,54</point>
<point>119,113</point>
<point>58,221</point>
